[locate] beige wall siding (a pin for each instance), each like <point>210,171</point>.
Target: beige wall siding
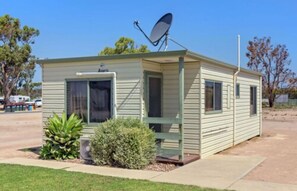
<point>247,126</point>
<point>217,128</point>
<point>191,103</point>
<point>52,98</point>
<point>129,77</point>
<point>151,66</point>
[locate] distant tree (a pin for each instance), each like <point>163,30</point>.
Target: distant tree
<point>26,77</point>
<point>124,46</point>
<point>15,52</point>
<point>35,90</point>
<point>273,62</point>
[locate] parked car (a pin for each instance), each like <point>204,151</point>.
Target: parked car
<point>38,102</point>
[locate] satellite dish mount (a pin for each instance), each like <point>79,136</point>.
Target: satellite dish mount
<point>160,31</point>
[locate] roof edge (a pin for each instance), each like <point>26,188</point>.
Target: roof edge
<point>148,55</point>
<point>220,63</point>
<point>115,57</point>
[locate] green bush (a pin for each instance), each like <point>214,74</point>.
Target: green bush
<point>123,142</point>
<point>62,137</point>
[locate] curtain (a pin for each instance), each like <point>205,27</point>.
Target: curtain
<point>77,99</point>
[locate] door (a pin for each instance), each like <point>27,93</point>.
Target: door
<point>154,99</point>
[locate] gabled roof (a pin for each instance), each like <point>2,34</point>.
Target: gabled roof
<point>160,57</point>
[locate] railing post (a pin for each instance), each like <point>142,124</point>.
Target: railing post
<point>181,88</point>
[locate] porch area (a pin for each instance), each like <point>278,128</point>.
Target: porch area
<point>167,94</point>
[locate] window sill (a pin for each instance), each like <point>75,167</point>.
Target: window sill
<point>213,112</point>
<point>253,115</point>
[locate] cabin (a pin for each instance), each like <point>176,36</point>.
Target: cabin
<point>195,104</point>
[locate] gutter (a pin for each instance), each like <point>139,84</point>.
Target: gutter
<point>234,87</point>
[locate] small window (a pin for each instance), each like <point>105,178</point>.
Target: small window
<point>213,96</point>
<point>253,100</point>
<point>237,91</point>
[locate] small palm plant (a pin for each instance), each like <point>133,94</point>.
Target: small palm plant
<point>62,137</point>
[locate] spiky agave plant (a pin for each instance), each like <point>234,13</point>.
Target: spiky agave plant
<point>62,137</point>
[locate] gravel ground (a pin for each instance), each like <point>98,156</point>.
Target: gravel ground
<point>278,144</point>
<point>280,114</point>
<point>19,131</point>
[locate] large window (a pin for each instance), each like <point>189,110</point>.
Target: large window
<point>253,100</point>
<point>90,100</point>
<point>213,96</point>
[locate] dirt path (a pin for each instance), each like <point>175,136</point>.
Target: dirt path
<point>279,145</point>
<point>19,131</point>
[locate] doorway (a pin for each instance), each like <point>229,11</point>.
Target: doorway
<point>154,98</point>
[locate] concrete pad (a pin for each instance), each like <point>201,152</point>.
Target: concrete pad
<point>217,171</point>
<point>248,185</point>
<point>115,172</point>
<point>39,163</point>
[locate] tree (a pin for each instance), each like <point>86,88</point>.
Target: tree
<point>124,46</point>
<point>15,52</point>
<point>273,62</point>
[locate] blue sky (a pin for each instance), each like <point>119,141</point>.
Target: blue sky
<point>73,28</point>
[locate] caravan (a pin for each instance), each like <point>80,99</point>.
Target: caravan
<point>19,98</point>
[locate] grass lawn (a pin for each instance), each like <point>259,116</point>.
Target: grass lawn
<point>16,177</point>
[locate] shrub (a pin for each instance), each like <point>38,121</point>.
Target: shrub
<point>123,142</point>
<point>62,137</point>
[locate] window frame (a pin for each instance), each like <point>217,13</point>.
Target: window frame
<point>254,101</point>
<point>237,88</point>
<point>88,123</point>
<point>214,110</point>
<point>147,75</point>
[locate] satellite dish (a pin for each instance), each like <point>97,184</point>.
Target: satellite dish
<point>160,29</point>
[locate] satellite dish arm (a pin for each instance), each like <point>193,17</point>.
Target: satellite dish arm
<point>136,23</point>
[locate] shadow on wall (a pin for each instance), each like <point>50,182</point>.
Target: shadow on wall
<point>125,97</point>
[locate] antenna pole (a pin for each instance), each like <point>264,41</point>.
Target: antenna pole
<point>166,42</point>
<point>238,51</point>
<point>161,45</point>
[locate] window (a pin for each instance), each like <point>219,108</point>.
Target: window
<point>253,100</point>
<point>90,100</point>
<point>237,90</point>
<point>213,96</point>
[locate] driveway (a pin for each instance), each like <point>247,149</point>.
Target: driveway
<point>19,131</point>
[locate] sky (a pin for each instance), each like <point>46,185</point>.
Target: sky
<point>75,28</point>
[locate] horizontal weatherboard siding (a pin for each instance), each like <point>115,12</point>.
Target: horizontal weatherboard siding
<point>191,104</point>
<point>205,133</point>
<point>127,82</point>
<point>247,126</point>
<point>217,127</point>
